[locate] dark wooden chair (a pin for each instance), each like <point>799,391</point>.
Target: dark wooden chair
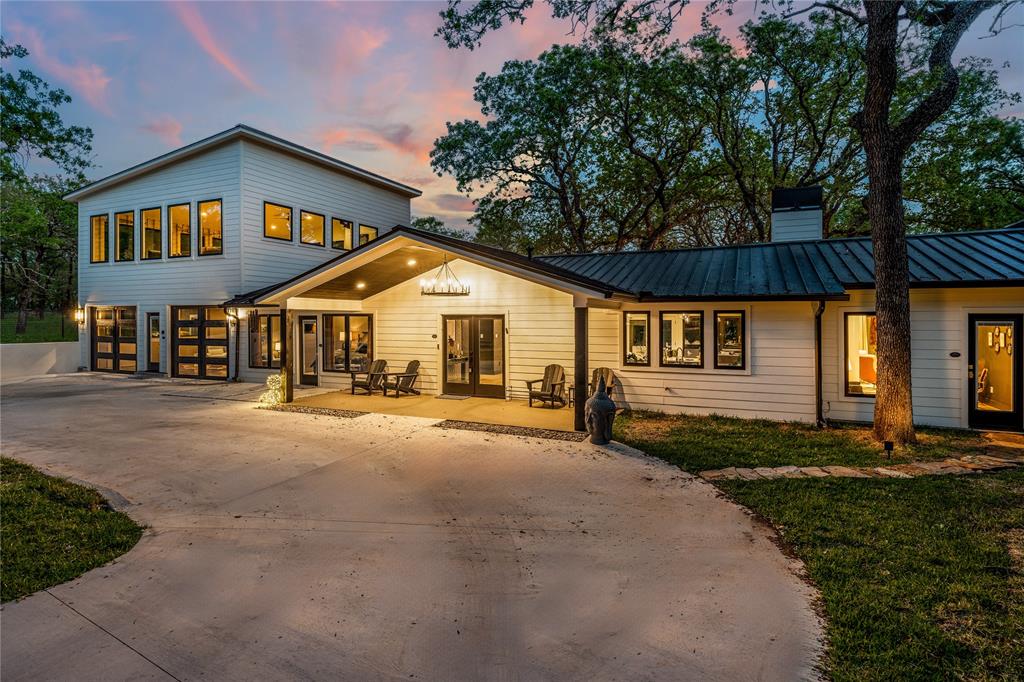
<point>552,387</point>
<point>370,380</point>
<point>403,382</point>
<point>595,377</point>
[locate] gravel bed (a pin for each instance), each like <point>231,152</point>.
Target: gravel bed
<point>550,434</point>
<point>326,411</point>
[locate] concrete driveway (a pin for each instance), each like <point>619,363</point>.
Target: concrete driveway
<point>292,546</point>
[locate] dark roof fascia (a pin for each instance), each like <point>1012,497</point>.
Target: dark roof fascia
<point>970,284</point>
<point>740,297</point>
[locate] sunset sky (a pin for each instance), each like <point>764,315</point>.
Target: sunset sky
<point>365,82</point>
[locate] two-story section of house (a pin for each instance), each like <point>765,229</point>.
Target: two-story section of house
<point>164,243</point>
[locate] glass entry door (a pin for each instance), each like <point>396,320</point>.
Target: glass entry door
<point>308,351</point>
<point>994,372</point>
<point>154,343</point>
<point>474,355</point>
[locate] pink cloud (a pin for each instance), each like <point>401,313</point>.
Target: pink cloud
<point>194,23</point>
<point>88,80</point>
<point>453,203</point>
<point>167,128</point>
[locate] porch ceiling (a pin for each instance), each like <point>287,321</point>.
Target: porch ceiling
<point>381,274</point>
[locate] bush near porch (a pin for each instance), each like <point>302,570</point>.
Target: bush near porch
<point>52,530</point>
<point>920,579</point>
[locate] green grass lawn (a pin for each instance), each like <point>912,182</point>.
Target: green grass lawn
<point>701,443</point>
<point>52,531</point>
<point>38,330</point>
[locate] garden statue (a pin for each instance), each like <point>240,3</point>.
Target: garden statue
<point>599,415</point>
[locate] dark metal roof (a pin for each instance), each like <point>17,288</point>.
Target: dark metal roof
<point>803,269</point>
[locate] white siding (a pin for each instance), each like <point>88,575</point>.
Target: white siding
<point>271,175</point>
<point>788,226</point>
<point>938,320</point>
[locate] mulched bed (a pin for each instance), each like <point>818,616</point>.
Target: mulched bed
<point>325,411</point>
<point>550,434</point>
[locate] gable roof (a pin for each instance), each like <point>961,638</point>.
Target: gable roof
<point>241,132</point>
<point>823,268</point>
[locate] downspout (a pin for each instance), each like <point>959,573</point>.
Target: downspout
<point>238,324</point>
<point>819,417</point>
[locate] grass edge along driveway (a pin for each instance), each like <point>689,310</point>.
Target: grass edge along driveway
<point>52,530</point>
<point>920,579</point>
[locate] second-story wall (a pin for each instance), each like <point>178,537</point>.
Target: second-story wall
<point>277,177</point>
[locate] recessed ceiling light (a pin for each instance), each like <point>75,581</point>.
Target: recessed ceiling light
<point>360,285</point>
<point>411,261</point>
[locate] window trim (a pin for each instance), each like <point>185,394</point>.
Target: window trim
<point>170,251</point>
<point>323,230</point>
<point>92,239</point>
<point>142,233</point>
<point>291,222</point>
<point>844,375</point>
<point>661,341</point>
<point>117,238</point>
<point>358,241</point>
<point>743,339</point>
<point>348,360</point>
<point>625,337</point>
<point>270,366</point>
<point>199,232</point>
<point>351,228</point>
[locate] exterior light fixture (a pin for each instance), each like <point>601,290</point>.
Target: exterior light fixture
<point>79,315</point>
<point>445,283</point>
<point>360,285</point>
<point>411,262</point>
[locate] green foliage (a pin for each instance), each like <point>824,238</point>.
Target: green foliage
<point>436,225</point>
<point>40,330</point>
<point>54,530</point>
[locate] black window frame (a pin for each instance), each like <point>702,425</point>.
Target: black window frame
<point>661,340</point>
<point>106,238</point>
<point>743,339</point>
<point>291,222</point>
<point>329,329</point>
<point>117,237</point>
<point>351,229</point>
<point>323,230</point>
<point>142,233</point>
<point>273,320</point>
<point>199,232</point>
<point>846,353</point>
<point>358,237</point>
<point>170,251</point>
<point>625,338</point>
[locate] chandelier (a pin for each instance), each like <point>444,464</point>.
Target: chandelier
<point>445,283</point>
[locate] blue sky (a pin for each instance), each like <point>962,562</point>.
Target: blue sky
<point>363,81</point>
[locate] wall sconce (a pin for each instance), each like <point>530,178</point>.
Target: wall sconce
<point>79,315</point>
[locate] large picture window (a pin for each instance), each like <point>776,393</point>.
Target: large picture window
<point>152,236</point>
<point>730,333</point>
<point>99,231</point>
<point>367,234</point>
<point>861,354</point>
<point>348,343</point>
<point>265,341</point>
<point>311,228</point>
<point>277,221</point>
<point>179,231</point>
<point>124,229</point>
<point>637,346</point>
<point>211,228</point>
<point>341,234</point>
<point>682,339</point>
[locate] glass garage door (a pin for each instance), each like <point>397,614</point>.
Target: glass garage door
<point>200,342</point>
<point>114,341</point>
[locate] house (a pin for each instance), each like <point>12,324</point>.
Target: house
<point>302,275</point>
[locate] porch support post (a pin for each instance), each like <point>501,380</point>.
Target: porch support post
<point>580,375</point>
<point>286,356</point>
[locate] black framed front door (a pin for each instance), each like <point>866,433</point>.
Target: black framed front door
<point>114,340</point>
<point>474,355</point>
<point>995,372</point>
<point>200,342</point>
<point>154,342</point>
<point>308,343</point>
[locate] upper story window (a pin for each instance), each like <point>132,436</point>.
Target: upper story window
<point>179,230</point>
<point>861,353</point>
<point>637,346</point>
<point>277,221</point>
<point>341,234</point>
<point>99,233</point>
<point>682,339</point>
<point>312,228</point>
<point>366,234</point>
<point>730,332</point>
<point>124,231</point>
<point>211,228</point>
<point>152,235</point>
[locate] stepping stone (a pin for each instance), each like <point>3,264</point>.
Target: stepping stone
<point>814,472</point>
<point>790,472</point>
<point>768,472</point>
<point>748,474</point>
<point>890,473</point>
<point>845,472</point>
<point>717,474</point>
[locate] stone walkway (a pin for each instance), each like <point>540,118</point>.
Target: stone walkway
<point>1006,451</point>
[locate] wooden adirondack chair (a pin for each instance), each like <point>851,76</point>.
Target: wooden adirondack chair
<point>403,383</point>
<point>552,387</point>
<point>609,380</point>
<point>370,380</point>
